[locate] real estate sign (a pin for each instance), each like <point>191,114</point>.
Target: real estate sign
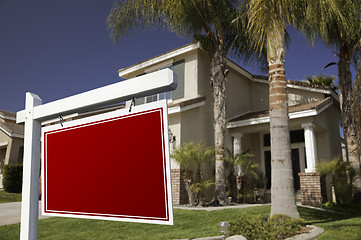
<point>113,166</point>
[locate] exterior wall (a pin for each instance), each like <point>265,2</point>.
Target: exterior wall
<point>4,137</point>
<point>204,75</point>
<point>175,126</point>
<point>238,94</point>
<point>298,96</point>
<point>12,152</point>
<point>190,75</point>
<point>2,158</point>
<point>259,96</point>
<point>329,140</point>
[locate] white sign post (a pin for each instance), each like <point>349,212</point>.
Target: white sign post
<point>35,113</point>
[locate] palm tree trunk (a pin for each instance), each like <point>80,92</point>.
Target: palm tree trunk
<point>218,66</point>
<point>282,190</point>
<point>346,103</point>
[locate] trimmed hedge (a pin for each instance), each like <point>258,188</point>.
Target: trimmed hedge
<point>258,228</point>
<point>13,178</point>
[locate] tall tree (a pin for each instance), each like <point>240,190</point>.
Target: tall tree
<point>357,117</point>
<point>338,23</point>
<point>218,25</point>
<point>268,20</point>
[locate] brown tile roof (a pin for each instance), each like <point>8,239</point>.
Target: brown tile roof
<point>307,84</point>
<point>188,102</point>
<point>9,126</point>
<point>296,108</point>
<point>12,128</point>
<point>7,114</point>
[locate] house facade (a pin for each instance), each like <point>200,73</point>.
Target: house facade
<point>314,115</point>
<point>11,140</point>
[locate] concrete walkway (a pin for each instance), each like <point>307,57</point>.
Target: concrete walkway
<point>10,213</point>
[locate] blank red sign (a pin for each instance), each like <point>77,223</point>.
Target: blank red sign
<point>113,166</point>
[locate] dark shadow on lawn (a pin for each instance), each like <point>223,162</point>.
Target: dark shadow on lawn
<point>313,216</point>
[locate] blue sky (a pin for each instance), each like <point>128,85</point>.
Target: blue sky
<point>58,48</point>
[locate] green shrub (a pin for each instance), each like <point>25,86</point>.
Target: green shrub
<point>343,175</point>
<point>12,178</point>
<point>276,227</point>
<point>354,208</point>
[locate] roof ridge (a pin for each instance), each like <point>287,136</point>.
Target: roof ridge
<point>307,84</point>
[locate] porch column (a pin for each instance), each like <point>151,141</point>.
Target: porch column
<point>311,147</point>
<point>237,148</point>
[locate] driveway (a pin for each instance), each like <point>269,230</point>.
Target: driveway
<point>10,213</point>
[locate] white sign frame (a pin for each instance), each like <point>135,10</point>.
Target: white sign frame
<point>35,112</point>
<point>158,106</point>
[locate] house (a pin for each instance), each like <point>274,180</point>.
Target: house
<point>11,140</point>
<point>314,115</point>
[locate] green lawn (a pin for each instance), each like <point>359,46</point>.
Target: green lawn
<point>9,197</point>
<point>188,224</point>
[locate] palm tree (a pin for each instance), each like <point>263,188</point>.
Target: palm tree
<point>343,176</point>
<point>323,80</point>
<point>267,24</point>
<point>240,184</point>
<point>338,23</point>
<point>190,155</point>
<point>357,107</point>
<point>218,25</point>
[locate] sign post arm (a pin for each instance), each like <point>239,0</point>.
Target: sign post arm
<point>145,85</point>
<point>31,171</point>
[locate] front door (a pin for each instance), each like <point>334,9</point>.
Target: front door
<point>295,154</point>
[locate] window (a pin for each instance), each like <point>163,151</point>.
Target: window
<point>178,68</point>
<point>160,96</point>
<point>267,140</point>
<point>296,136</point>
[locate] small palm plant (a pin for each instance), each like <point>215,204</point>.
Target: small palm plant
<point>191,156</point>
<point>343,176</point>
<point>200,188</point>
<point>249,169</point>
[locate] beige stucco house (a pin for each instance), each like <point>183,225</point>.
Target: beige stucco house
<point>313,112</point>
<point>11,140</point>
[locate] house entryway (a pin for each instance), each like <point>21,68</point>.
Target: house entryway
<point>296,154</point>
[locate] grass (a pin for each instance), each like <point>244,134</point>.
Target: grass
<point>188,224</point>
<point>6,197</point>
<point>336,225</point>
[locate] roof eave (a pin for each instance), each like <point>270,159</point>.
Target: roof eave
<point>124,72</point>
<point>266,119</point>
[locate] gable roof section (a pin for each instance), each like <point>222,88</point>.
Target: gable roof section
<point>290,83</point>
<point>296,111</point>
<point>7,115</point>
<point>168,57</point>
<point>186,105</point>
<point>10,128</point>
<point>124,72</point>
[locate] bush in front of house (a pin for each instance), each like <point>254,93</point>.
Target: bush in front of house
<point>276,227</point>
<point>343,177</point>
<point>354,208</point>
<point>12,178</point>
